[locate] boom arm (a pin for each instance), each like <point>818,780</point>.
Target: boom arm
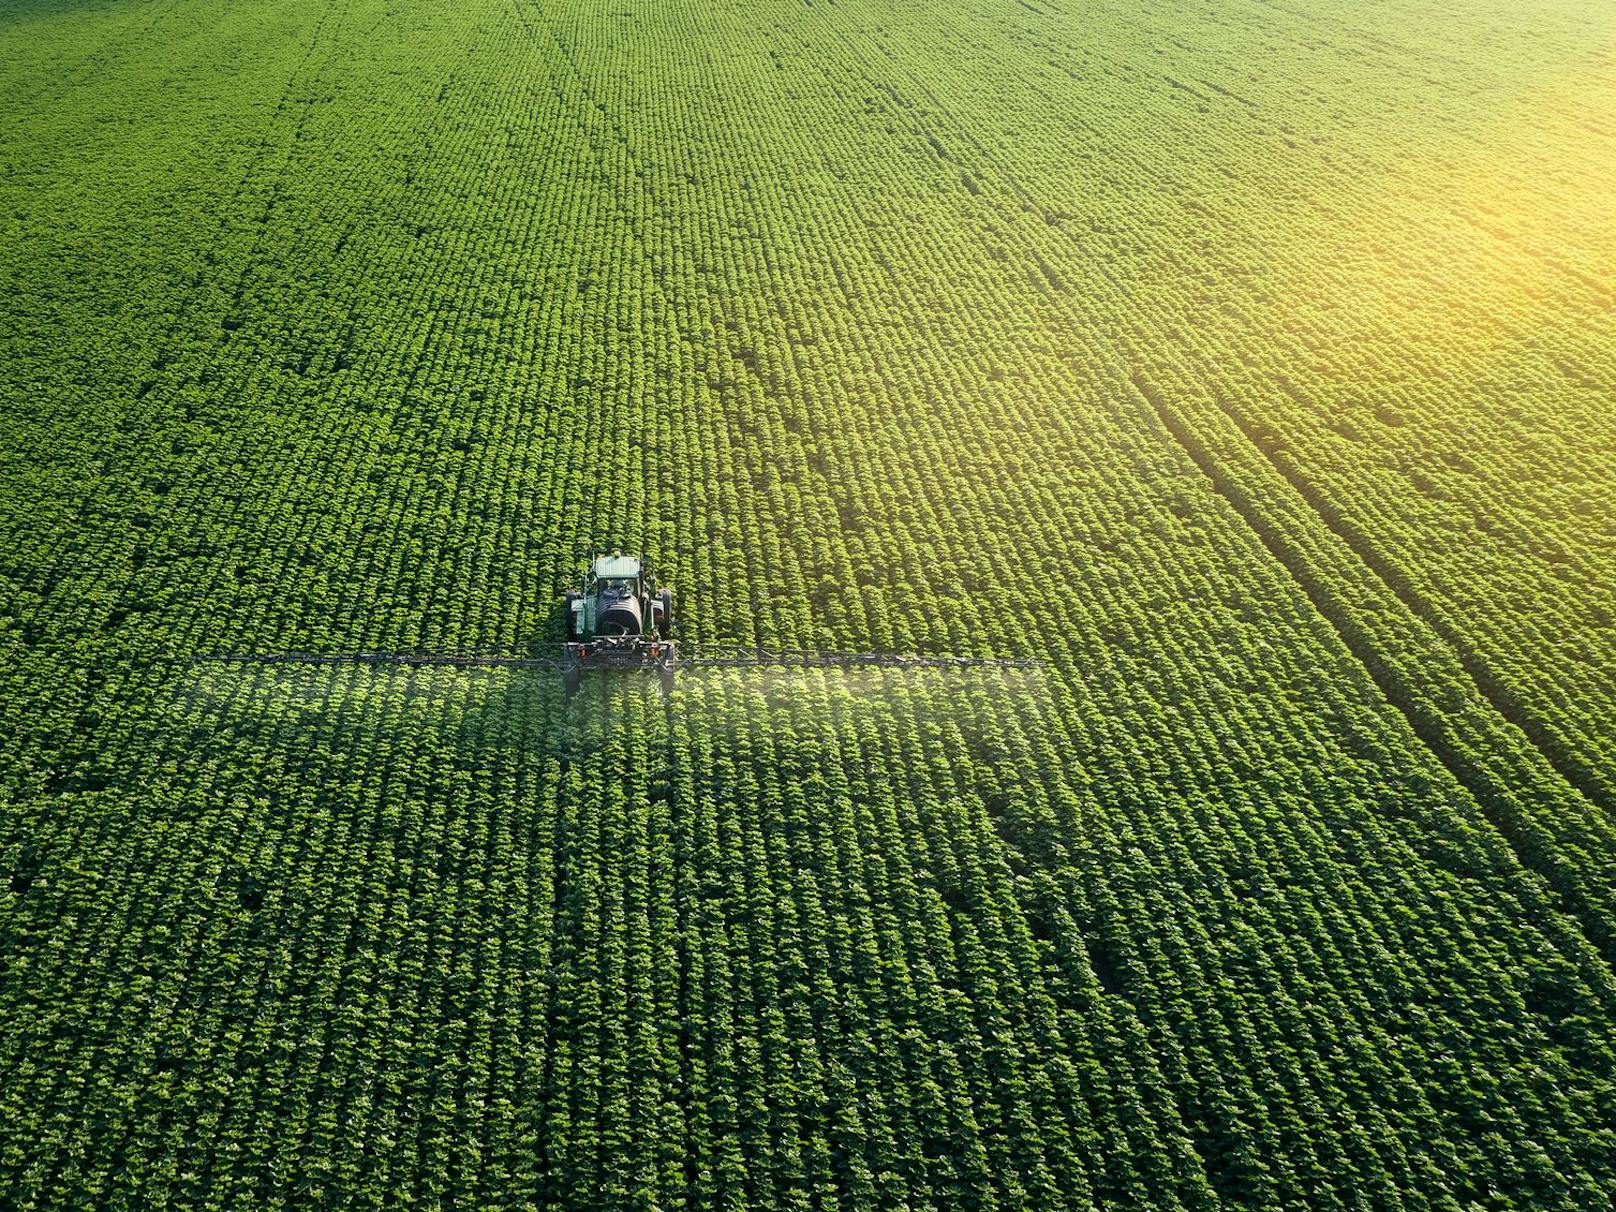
<point>714,658</point>
<point>385,658</point>
<point>816,658</point>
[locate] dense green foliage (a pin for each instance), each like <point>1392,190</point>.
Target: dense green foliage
<point>1251,363</point>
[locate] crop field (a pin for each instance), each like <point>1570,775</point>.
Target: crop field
<point>1250,365</point>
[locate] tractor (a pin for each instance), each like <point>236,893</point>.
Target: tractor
<point>618,619</point>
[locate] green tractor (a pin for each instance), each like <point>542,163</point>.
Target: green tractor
<point>618,619</point>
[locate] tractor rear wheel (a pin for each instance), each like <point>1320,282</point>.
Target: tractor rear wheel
<point>665,626</point>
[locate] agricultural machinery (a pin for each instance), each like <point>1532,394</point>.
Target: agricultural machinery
<point>620,619</point>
